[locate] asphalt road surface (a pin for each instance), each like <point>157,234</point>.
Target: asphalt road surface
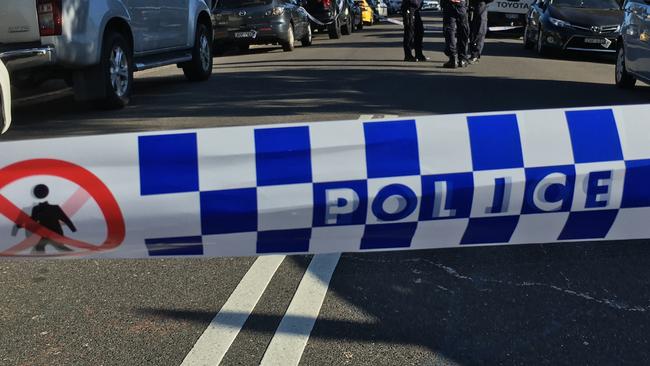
<point>521,305</point>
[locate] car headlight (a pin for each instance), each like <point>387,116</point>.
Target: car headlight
<point>559,23</point>
<point>275,11</point>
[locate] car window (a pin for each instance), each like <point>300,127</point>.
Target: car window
<point>591,4</point>
<point>227,4</point>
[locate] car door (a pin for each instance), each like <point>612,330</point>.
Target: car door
<point>145,15</point>
<point>174,23</point>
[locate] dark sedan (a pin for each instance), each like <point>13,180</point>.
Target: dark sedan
<point>578,25</point>
<point>245,22</point>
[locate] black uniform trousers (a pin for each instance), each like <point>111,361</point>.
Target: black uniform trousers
<point>478,28</point>
<point>413,31</point>
<point>455,26</point>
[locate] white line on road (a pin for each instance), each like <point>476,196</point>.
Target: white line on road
<point>218,337</point>
<point>291,337</point>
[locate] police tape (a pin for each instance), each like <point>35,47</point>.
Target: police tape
<point>352,186</point>
<point>5,99</point>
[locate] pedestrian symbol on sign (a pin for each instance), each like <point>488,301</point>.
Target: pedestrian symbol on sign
<point>49,216</point>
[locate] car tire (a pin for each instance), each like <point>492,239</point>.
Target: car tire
<point>539,44</point>
<point>527,43</point>
<point>289,44</point>
<point>308,38</point>
<point>116,67</point>
<point>623,78</point>
<point>200,67</point>
<point>334,30</point>
<point>346,29</point>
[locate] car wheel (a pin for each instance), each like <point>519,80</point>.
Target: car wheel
<point>289,44</point>
<point>346,29</point>
<point>200,67</point>
<point>540,48</point>
<point>623,78</point>
<point>116,66</point>
<point>308,38</point>
<point>527,43</point>
<point>334,30</point>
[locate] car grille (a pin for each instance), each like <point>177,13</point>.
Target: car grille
<point>600,29</point>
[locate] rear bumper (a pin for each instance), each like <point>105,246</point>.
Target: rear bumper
<point>28,58</point>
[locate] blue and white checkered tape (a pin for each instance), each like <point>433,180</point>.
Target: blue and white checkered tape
<point>428,182</point>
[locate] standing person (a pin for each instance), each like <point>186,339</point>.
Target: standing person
<point>456,29</point>
<point>478,29</point>
<point>413,30</point>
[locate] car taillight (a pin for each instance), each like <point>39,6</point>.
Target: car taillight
<point>327,3</point>
<point>49,17</point>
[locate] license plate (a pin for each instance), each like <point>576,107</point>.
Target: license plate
<point>595,40</point>
<point>251,34</point>
<point>512,16</point>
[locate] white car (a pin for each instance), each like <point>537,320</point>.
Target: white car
<point>431,5</point>
<point>382,9</point>
<point>5,99</point>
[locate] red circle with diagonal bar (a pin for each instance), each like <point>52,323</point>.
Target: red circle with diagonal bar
<point>87,181</point>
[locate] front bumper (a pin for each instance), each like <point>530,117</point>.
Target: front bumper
<point>21,59</point>
<point>265,32</point>
<point>576,40</point>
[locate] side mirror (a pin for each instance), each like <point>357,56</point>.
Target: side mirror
<point>5,99</point>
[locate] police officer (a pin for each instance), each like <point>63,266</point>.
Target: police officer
<point>413,30</point>
<point>478,29</point>
<point>455,26</point>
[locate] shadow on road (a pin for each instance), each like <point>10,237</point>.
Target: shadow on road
<point>556,304</point>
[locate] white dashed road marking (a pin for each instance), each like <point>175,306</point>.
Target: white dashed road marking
<point>218,337</point>
<point>291,337</point>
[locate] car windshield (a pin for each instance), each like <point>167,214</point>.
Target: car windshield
<point>229,4</point>
<point>590,4</point>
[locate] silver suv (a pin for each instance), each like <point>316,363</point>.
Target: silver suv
<point>96,45</point>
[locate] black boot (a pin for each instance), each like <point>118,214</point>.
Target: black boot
<point>410,58</point>
<point>451,64</point>
<point>462,62</point>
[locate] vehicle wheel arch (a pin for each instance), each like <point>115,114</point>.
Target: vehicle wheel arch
<point>205,19</point>
<point>122,26</point>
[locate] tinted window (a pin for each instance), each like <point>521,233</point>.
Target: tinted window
<point>591,4</point>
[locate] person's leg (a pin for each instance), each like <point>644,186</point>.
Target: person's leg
<point>449,29</point>
<point>419,35</point>
<point>481,16</point>
<point>407,18</point>
<point>474,25</point>
<point>40,247</point>
<point>463,30</point>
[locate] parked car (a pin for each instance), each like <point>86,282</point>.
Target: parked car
<point>578,25</point>
<point>355,9</point>
<point>431,5</point>
<point>508,15</point>
<point>5,99</point>
<point>97,45</point>
<point>367,13</point>
<point>382,8</point>
<point>332,16</point>
<point>633,53</point>
<point>245,22</point>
